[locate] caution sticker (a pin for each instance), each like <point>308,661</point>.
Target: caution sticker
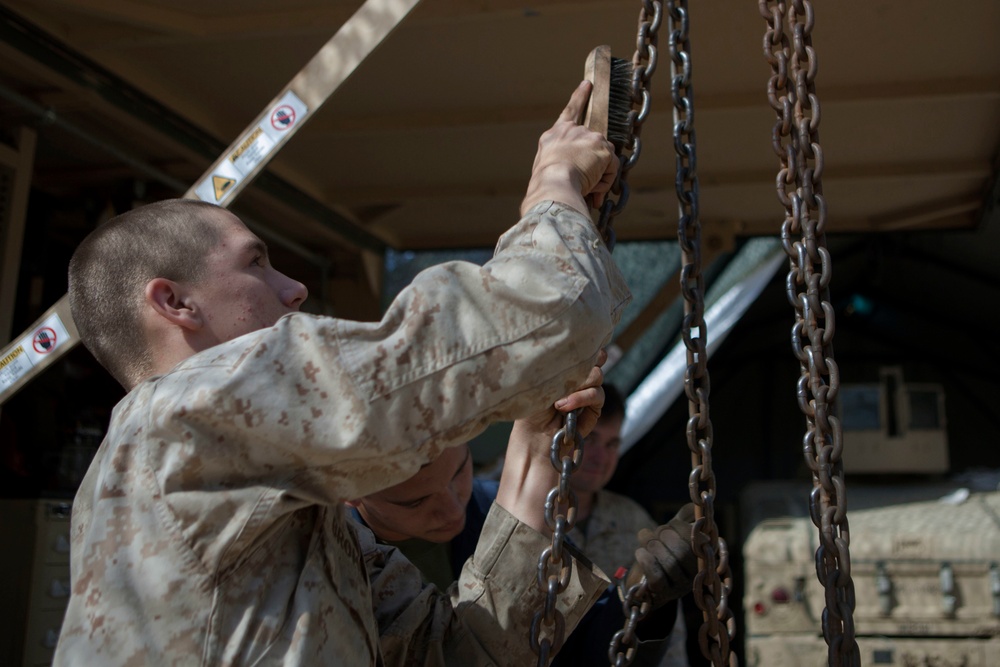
<point>253,149</point>
<point>14,364</point>
<point>32,349</point>
<point>220,183</point>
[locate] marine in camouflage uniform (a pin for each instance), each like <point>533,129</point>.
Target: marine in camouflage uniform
<point>210,530</point>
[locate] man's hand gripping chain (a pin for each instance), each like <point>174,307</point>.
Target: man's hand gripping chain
<point>665,559</point>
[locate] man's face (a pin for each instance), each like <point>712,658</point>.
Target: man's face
<point>429,506</point>
<point>241,292</point>
<point>600,456</point>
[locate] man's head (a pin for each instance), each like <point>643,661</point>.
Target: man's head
<point>600,449</point>
<point>429,506</point>
<point>166,280</point>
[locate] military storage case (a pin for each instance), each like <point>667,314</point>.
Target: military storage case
<point>925,574</point>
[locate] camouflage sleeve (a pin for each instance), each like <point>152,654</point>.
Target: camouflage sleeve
<point>464,346</point>
<point>485,619</point>
<point>329,410</point>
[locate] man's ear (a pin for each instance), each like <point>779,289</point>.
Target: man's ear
<point>168,300</point>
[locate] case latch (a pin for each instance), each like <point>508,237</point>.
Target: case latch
<point>883,584</point>
<point>949,601</point>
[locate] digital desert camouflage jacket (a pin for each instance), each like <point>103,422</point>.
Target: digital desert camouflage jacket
<point>610,541</point>
<point>209,528</point>
<point>610,538</point>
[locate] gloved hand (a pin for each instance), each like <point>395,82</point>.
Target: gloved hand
<point>665,557</point>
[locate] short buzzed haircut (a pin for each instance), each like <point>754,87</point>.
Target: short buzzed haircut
<point>110,269</point>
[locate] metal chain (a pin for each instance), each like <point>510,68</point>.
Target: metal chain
<point>554,565</point>
<point>566,451</point>
<point>643,66</point>
<point>795,139</point>
<point>713,583</point>
<point>560,505</point>
<point>636,603</point>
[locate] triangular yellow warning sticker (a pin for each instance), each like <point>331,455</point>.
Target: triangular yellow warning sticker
<point>222,185</point>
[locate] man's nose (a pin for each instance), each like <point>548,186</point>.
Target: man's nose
<point>451,508</point>
<point>294,293</point>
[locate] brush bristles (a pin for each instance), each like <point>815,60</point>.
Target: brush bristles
<point>620,103</point>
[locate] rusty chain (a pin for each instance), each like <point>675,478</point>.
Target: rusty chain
<point>554,565</point>
<point>636,603</point>
<point>795,138</point>
<point>560,505</point>
<point>643,66</point>
<point>713,583</point>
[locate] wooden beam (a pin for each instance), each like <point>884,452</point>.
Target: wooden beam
<point>923,215</point>
<point>136,15</point>
<point>655,181</point>
<point>960,218</point>
<point>177,24</point>
<point>20,164</point>
<point>456,117</point>
<point>643,227</point>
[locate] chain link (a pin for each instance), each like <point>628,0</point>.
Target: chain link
<point>795,139</point>
<point>713,583</point>
<point>643,66</point>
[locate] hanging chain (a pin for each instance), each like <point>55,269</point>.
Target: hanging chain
<point>795,139</point>
<point>554,565</point>
<point>714,582</point>
<point>643,67</point>
<point>566,451</point>
<point>636,603</point>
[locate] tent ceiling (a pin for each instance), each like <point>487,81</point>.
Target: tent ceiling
<point>429,144</point>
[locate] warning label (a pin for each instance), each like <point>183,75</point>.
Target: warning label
<point>44,341</point>
<point>11,357</point>
<point>287,113</point>
<point>14,364</point>
<point>221,185</point>
<point>31,350</point>
<point>253,150</point>
<point>283,117</point>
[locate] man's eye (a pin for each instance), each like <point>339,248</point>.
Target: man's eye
<point>412,505</point>
<point>257,261</point>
